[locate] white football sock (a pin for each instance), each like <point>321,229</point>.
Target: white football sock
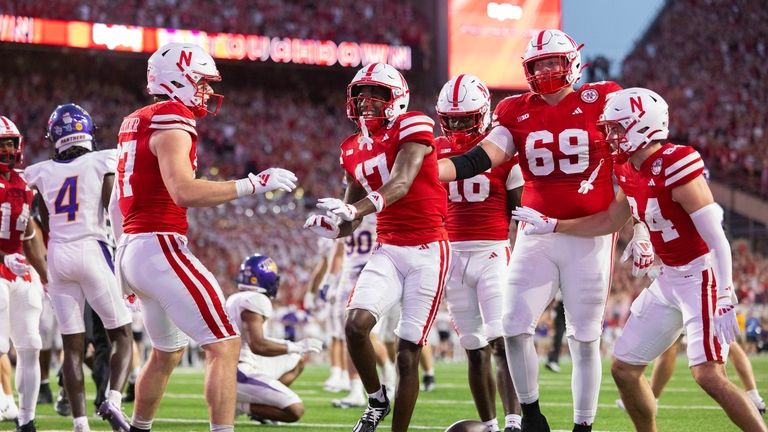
<point>523,366</point>
<point>585,379</point>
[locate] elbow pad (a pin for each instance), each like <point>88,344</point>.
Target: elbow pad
<point>471,163</point>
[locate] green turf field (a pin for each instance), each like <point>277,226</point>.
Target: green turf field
<point>684,407</point>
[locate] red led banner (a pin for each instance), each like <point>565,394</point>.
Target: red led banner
<point>230,46</point>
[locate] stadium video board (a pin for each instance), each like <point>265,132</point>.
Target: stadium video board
<point>487,38</point>
<point>229,46</point>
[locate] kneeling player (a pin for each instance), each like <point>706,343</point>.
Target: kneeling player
<point>267,366</point>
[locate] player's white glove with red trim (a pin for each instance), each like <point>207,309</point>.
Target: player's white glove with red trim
<point>725,323</point>
<point>322,225</point>
<point>266,181</point>
<point>338,207</point>
<point>640,249</point>
<point>305,346</point>
<point>533,222</point>
<point>132,302</point>
<point>17,263</point>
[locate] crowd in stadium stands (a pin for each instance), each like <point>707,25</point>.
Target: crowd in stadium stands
<point>337,20</point>
<point>717,96</point>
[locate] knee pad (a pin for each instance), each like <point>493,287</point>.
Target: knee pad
<point>587,332</point>
<point>514,327</point>
<point>472,342</point>
<point>410,332</point>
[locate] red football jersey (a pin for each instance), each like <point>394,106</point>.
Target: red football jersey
<point>144,200</point>
<point>560,147</point>
<point>477,206</point>
<point>649,192</point>
<point>419,216</point>
<point>16,198</point>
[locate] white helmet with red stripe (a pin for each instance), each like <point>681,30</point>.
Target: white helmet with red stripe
<point>182,71</point>
<point>382,75</point>
<point>464,108</point>
<point>552,43</point>
<point>9,130</point>
<point>634,117</point>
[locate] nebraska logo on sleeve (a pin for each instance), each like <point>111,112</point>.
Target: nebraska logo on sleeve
<point>589,95</point>
<point>656,167</point>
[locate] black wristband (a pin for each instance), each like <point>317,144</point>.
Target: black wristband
<point>471,163</point>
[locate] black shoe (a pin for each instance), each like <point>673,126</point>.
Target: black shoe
<point>428,383</point>
<point>130,393</point>
<point>582,428</point>
<point>29,427</point>
<point>374,414</point>
<point>511,429</point>
<point>62,406</point>
<point>534,424</point>
<point>45,396</point>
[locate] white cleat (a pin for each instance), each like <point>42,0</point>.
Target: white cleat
<point>10,413</point>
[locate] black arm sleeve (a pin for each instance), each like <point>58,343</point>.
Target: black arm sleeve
<point>471,163</point>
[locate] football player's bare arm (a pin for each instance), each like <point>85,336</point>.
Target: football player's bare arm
<point>475,161</point>
<point>107,185</point>
<point>260,345</point>
<point>514,198</point>
<point>693,195</point>
<point>34,249</point>
<point>602,223</point>
<point>354,194</point>
<point>172,149</point>
<point>38,205</point>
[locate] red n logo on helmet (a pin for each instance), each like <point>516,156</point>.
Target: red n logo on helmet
<point>185,59</point>
<point>636,102</point>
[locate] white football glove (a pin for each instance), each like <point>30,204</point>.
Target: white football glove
<point>132,303</point>
<point>309,301</point>
<point>641,251</point>
<point>322,225</point>
<point>17,263</point>
<point>725,323</point>
<point>305,346</point>
<point>266,181</point>
<point>338,207</point>
<point>534,223</point>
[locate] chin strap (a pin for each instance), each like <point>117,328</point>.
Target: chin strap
<point>365,138</point>
<point>586,185</point>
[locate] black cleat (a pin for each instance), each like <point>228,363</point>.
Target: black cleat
<point>582,428</point>
<point>428,383</point>
<point>511,429</point>
<point>45,396</point>
<point>28,427</point>
<point>62,406</point>
<point>374,414</point>
<point>535,424</point>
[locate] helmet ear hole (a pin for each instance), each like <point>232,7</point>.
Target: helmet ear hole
<point>177,84</point>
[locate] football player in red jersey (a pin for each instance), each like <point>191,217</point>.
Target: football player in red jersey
<point>478,228</point>
<point>21,293</point>
<point>155,185</point>
<point>663,185</point>
<point>567,173</point>
<point>391,168</point>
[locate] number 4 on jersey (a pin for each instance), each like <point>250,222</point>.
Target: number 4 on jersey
<point>66,200</point>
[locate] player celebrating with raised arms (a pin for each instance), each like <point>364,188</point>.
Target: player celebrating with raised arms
<point>567,172</point>
<point>76,186</point>
<point>391,168</point>
<point>478,228</point>
<point>155,184</point>
<point>662,185</point>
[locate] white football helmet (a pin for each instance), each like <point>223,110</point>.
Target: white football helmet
<point>383,75</point>
<point>464,108</point>
<point>634,117</point>
<point>552,43</point>
<point>181,71</point>
<point>9,130</point>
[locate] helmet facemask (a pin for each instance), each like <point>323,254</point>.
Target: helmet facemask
<point>207,102</point>
<point>371,104</point>
<point>550,81</point>
<point>462,128</point>
<point>10,157</point>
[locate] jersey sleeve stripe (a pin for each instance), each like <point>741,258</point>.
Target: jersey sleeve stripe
<point>416,119</point>
<point>415,129</point>
<point>173,126</point>
<point>172,117</point>
<point>681,163</point>
<point>699,165</point>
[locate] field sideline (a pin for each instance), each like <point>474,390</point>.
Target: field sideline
<point>683,407</point>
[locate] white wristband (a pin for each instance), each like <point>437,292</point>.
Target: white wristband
<point>30,237</point>
<point>378,201</point>
<point>244,187</point>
